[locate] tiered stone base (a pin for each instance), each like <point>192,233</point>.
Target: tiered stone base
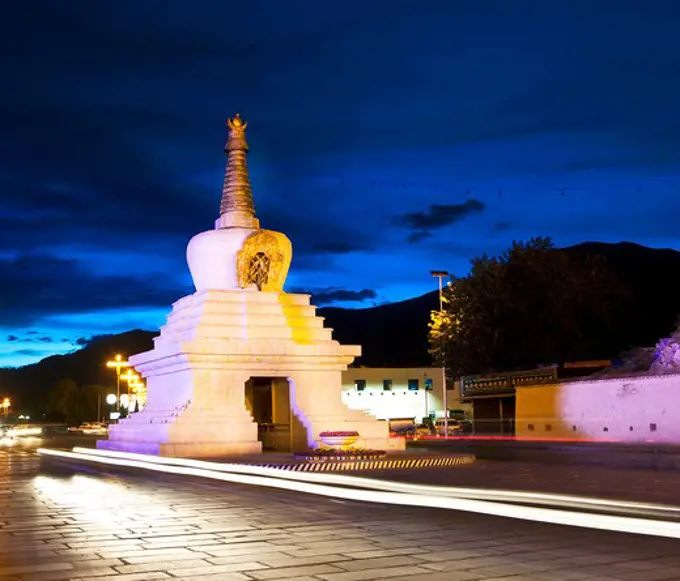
<point>200,450</point>
<point>214,342</point>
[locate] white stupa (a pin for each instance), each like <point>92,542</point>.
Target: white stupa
<point>240,362</point>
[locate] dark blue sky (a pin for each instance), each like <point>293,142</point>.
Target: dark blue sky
<point>387,138</point>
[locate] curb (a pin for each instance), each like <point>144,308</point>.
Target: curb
<point>587,454</point>
<point>339,466</point>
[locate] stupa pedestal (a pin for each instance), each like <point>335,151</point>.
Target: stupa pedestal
<point>213,343</point>
<point>240,325</point>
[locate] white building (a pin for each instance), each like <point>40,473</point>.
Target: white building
<point>397,393</point>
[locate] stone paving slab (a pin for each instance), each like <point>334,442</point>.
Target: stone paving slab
<point>136,526</point>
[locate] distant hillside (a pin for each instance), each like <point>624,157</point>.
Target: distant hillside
<point>652,276</point>
<point>395,335</point>
<point>87,366</point>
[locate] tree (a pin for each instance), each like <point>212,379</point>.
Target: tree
<point>73,404</point>
<point>94,398</point>
<point>61,398</point>
<point>533,304</point>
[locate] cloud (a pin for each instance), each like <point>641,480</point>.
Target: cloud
<point>439,216</point>
<point>36,286</point>
<point>29,337</point>
<point>338,247</point>
<point>417,236</point>
<point>501,226</point>
<point>436,217</point>
<point>330,295</point>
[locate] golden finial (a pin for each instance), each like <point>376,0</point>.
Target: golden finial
<point>237,196</point>
<point>237,124</point>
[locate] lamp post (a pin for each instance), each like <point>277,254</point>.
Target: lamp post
<point>117,364</point>
<point>441,275</point>
<point>5,406</point>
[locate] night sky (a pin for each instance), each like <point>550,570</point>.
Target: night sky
<point>387,138</point>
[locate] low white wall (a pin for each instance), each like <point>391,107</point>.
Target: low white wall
<point>627,409</point>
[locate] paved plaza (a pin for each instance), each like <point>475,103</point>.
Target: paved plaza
<point>124,526</point>
<point>650,486</point>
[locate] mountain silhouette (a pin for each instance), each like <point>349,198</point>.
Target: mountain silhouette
<point>395,334</point>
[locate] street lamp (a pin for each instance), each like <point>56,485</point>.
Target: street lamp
<point>441,275</point>
<point>117,364</point>
<point>5,406</point>
<point>130,376</point>
<point>134,386</point>
<point>139,390</point>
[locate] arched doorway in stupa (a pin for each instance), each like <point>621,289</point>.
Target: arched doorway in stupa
<point>269,403</point>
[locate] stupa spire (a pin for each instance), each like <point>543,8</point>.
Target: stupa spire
<point>237,207</point>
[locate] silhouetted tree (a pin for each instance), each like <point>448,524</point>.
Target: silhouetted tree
<point>95,405</point>
<point>533,304</point>
<point>60,398</point>
<point>73,404</point>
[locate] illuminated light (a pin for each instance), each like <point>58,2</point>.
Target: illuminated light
<point>622,524</point>
<point>24,431</point>
<point>130,376</point>
<point>536,498</point>
<point>95,429</point>
<point>117,363</point>
<point>111,398</point>
<point>103,503</point>
<point>125,400</point>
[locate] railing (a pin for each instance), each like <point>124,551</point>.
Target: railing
<point>506,383</point>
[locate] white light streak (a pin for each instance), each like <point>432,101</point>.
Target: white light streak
<point>559,517</point>
<point>515,496</point>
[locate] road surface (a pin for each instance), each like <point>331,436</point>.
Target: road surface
<point>128,526</point>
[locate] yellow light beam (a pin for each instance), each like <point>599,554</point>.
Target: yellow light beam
<point>129,376</point>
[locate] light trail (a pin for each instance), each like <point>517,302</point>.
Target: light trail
<point>515,496</point>
<point>622,524</point>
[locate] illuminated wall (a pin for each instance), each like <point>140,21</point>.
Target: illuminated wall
<point>632,409</point>
<point>363,388</point>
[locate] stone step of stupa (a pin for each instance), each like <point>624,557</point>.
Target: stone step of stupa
<point>249,332</point>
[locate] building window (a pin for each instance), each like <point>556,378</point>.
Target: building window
<point>387,385</point>
<point>413,385</point>
<point>428,384</point>
<point>360,384</point>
